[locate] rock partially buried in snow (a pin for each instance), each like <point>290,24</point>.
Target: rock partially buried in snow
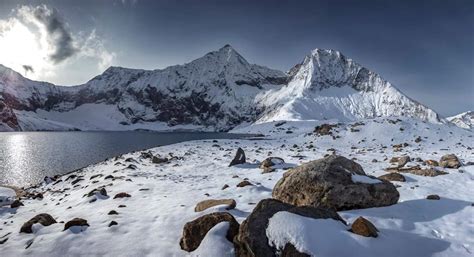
<point>432,163</point>
<point>43,219</point>
<point>252,239</point>
<point>363,227</point>
<point>158,160</point>
<point>195,231</point>
<point>416,170</point>
<point>450,161</point>
<point>334,182</point>
<point>433,197</point>
<point>75,222</point>
<point>393,176</point>
<point>122,195</point>
<point>270,162</point>
<point>239,157</point>
<point>244,183</point>
<point>16,204</point>
<point>400,161</point>
<point>206,204</point>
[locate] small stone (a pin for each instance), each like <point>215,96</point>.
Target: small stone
<point>239,157</point>
<point>75,222</point>
<point>244,183</point>
<point>206,204</point>
<point>433,197</point>
<point>121,195</point>
<point>225,186</point>
<point>158,160</point>
<point>113,223</point>
<point>363,227</point>
<point>112,212</point>
<point>393,176</point>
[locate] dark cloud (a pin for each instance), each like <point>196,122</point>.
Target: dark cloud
<point>57,31</point>
<point>28,68</point>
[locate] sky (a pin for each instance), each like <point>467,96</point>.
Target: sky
<point>424,48</point>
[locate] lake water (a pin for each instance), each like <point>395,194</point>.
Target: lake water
<point>27,157</point>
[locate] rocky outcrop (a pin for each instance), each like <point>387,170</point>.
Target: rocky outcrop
<point>334,182</point>
<point>252,241</point>
<point>195,231</point>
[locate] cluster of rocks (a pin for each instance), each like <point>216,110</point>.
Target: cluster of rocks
<point>446,161</point>
<point>317,189</point>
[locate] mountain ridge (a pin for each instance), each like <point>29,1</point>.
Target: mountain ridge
<point>217,91</point>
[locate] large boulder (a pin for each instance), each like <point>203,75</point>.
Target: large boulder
<point>252,240</point>
<point>450,161</point>
<point>43,219</point>
<point>195,231</point>
<point>334,182</point>
<point>239,157</point>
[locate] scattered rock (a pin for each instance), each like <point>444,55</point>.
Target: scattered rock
<point>112,223</point>
<point>363,227</point>
<point>100,191</point>
<point>239,157</point>
<point>393,176</point>
<point>112,212</point>
<point>450,161</point>
<point>244,184</point>
<point>16,204</point>
<point>432,163</point>
<point>400,161</point>
<point>252,240</point>
<point>329,183</point>
<point>225,186</point>
<point>271,161</point>
<point>158,160</point>
<point>324,129</point>
<point>195,231</point>
<point>203,205</point>
<point>121,195</point>
<point>433,197</point>
<point>75,222</point>
<point>43,219</point>
<point>416,170</point>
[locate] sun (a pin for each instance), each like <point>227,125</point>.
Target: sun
<point>19,46</point>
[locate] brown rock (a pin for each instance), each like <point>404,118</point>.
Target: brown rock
<point>450,161</point>
<point>393,176</point>
<point>324,129</point>
<point>400,161</point>
<point>363,227</point>
<point>195,231</point>
<point>432,163</point>
<point>270,162</point>
<point>328,183</point>
<point>121,195</point>
<point>43,219</point>
<point>244,184</point>
<point>203,205</point>
<point>75,222</point>
<point>239,157</point>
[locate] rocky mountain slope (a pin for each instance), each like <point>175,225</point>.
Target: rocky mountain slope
<point>463,120</point>
<point>218,91</point>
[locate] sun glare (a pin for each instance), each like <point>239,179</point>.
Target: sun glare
<point>20,46</point>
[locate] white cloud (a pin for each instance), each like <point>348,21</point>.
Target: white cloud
<point>39,38</point>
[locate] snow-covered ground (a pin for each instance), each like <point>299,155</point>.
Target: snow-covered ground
<point>163,196</point>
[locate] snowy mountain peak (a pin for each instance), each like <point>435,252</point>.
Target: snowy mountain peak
<point>463,120</point>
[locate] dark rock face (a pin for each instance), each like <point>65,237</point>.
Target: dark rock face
<point>8,117</point>
<point>239,157</point>
<point>43,219</point>
<point>363,227</point>
<point>450,161</point>
<point>329,183</point>
<point>195,231</point>
<point>75,222</point>
<point>252,240</point>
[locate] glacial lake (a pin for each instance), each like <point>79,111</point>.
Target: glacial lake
<point>27,157</point>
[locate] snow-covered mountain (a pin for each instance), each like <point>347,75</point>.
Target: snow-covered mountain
<point>463,120</point>
<point>218,91</point>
